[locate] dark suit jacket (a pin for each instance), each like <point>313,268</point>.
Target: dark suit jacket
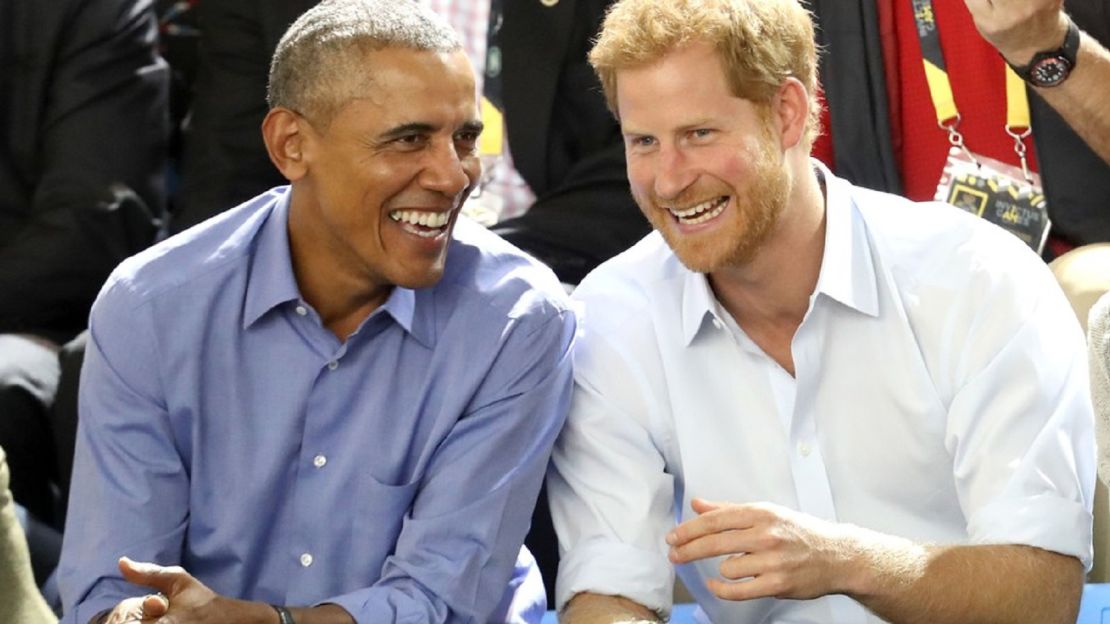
<point>83,139</point>
<point>225,159</point>
<point>1076,181</point>
<point>564,141</point>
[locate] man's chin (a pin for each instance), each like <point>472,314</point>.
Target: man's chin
<point>415,280</point>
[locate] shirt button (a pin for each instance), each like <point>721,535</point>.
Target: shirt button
<point>332,365</point>
<point>717,323</point>
<point>303,311</point>
<point>306,560</point>
<point>804,449</point>
<point>319,461</point>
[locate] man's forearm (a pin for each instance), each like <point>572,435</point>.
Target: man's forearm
<point>1081,99</point>
<point>323,614</point>
<point>589,608</point>
<point>909,583</point>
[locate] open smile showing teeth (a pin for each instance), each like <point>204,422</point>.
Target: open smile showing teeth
<point>700,213</point>
<point>421,222</point>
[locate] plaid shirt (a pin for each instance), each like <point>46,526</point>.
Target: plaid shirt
<point>471,20</point>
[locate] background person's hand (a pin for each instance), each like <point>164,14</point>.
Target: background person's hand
<point>1019,29</point>
<point>780,552</point>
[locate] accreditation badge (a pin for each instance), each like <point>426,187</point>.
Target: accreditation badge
<point>997,192</point>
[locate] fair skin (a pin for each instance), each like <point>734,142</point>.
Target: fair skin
<point>686,130</point>
<point>362,183</point>
<point>1019,29</point>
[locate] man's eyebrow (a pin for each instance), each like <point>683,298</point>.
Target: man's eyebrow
<point>426,128</point>
<point>473,126</point>
<point>407,129</point>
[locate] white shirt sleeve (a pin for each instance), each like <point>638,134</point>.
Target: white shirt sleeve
<point>611,496</point>
<point>1020,427</point>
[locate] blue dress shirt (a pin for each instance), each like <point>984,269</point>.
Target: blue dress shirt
<point>224,429</point>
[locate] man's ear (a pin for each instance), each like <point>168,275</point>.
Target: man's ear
<point>792,110</point>
<point>285,134</point>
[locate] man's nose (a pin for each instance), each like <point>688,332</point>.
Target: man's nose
<point>444,171</point>
<point>673,173</point>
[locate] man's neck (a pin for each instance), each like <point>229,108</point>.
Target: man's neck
<point>331,284</point>
<point>769,296</point>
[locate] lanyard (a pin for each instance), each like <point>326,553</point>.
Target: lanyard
<point>940,89</point>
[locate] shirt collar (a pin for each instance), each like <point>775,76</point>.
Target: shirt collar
<point>697,303</point>
<point>272,282</point>
<point>847,270</point>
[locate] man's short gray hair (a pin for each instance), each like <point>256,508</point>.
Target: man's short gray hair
<point>320,62</point>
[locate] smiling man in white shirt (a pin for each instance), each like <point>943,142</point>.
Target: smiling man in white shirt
<point>822,403</point>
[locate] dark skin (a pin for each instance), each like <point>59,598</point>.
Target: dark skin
<point>181,598</point>
<point>409,148</point>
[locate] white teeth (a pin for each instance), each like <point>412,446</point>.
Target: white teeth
<point>701,212</point>
<point>421,217</point>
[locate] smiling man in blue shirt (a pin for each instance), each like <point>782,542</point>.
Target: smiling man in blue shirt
<point>338,397</point>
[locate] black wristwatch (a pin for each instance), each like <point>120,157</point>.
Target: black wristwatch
<point>1050,68</point>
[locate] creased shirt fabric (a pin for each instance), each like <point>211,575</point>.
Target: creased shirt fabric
<point>223,428</point>
<point>940,394</point>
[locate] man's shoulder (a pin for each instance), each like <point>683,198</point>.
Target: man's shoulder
<point>947,265</point>
<point>495,274</point>
<point>642,268</point>
<point>935,241</point>
<point>219,245</point>
<point>626,286</point>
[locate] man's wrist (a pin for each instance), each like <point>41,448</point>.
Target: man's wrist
<point>284,615</point>
<point>1023,55</point>
<point>876,563</point>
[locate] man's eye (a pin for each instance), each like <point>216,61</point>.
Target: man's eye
<point>411,140</point>
<point>702,133</point>
<point>467,138</point>
<point>642,141</point>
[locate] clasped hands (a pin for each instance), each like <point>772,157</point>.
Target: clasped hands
<point>769,550</point>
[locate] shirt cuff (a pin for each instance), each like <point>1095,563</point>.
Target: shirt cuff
<point>612,568</point>
<point>1044,521</point>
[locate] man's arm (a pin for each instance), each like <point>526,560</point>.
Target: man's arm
<point>787,554</point>
<point>612,500</point>
<point>186,600</point>
<point>461,537</point>
<point>1021,28</point>
<point>588,608</point>
<point>130,493</point>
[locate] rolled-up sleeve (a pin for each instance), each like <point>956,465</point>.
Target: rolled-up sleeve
<point>1020,431</point>
<point>611,496</point>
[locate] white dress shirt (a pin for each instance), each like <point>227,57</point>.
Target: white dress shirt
<point>941,394</point>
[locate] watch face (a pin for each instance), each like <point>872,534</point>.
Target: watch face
<point>1049,71</point>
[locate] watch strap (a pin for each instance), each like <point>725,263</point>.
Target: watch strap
<point>284,616</point>
<point>1068,50</point>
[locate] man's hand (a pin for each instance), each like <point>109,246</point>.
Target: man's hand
<point>1019,29</point>
<point>130,610</point>
<point>181,599</point>
<point>778,552</point>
